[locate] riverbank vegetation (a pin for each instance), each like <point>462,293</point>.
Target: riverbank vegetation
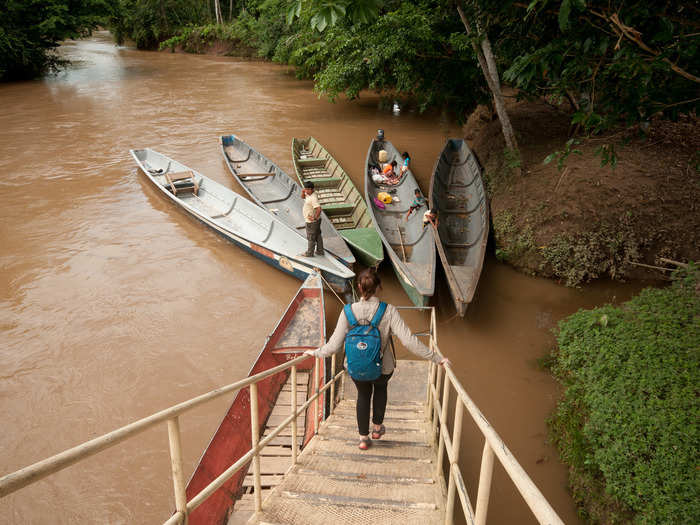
<point>31,30</point>
<point>628,422</point>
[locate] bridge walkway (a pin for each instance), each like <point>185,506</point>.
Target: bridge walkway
<point>395,481</point>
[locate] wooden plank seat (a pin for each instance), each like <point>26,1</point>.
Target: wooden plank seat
<point>339,208</point>
<point>246,175</point>
<point>342,222</point>
<point>326,181</point>
<point>329,194</point>
<point>182,181</point>
<point>311,161</point>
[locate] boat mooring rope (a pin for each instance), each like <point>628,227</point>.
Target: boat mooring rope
<point>330,287</point>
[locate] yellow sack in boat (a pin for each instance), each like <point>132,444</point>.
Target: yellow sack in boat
<point>384,197</point>
<point>383,155</point>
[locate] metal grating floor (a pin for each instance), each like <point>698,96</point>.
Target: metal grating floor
<point>394,482</point>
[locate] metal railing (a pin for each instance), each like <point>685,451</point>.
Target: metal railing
<point>436,411</point>
<point>33,473</point>
<point>437,401</point>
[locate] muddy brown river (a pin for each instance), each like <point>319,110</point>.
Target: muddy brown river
<point>114,304</point>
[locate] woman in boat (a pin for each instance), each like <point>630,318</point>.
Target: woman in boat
<point>391,324</point>
<point>391,178</point>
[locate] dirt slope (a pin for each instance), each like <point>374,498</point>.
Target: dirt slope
<point>588,221</point>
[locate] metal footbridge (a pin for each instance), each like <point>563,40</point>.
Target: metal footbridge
<point>410,476</point>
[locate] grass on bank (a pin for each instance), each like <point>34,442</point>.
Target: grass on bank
<point>628,422</point>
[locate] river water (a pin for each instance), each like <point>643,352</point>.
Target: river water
<point>114,304</point>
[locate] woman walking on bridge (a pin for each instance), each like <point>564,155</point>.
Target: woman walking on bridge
<point>370,311</point>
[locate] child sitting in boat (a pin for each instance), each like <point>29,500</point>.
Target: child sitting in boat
<point>406,161</point>
<point>416,204</point>
<point>430,217</point>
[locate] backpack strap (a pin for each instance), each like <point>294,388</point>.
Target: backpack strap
<point>378,315</point>
<point>349,315</point>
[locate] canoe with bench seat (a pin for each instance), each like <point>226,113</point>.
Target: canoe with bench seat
<point>242,222</point>
<point>409,245</point>
<point>339,198</point>
<point>274,190</point>
<point>457,191</point>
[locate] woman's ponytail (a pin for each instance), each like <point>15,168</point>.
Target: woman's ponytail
<point>367,282</point>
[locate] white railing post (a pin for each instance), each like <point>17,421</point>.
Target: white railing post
<point>176,466</point>
<point>333,383</point>
<point>439,376</point>
<point>443,423</point>
<point>254,441</point>
<point>482,498</point>
<point>317,371</point>
<point>456,447</point>
<point>428,395</point>
<point>295,441</point>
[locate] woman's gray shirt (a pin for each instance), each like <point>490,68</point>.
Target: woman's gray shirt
<point>391,323</point>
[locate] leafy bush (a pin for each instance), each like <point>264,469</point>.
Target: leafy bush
<point>628,421</point>
<point>511,243</point>
<point>603,250</point>
<point>197,39</point>
<point>149,22</point>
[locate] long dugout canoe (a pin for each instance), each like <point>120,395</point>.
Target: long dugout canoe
<point>339,198</point>
<point>408,243</point>
<point>301,327</point>
<point>245,224</point>
<point>457,192</point>
<point>272,189</point>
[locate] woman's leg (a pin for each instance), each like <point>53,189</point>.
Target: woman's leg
<point>364,393</point>
<point>379,399</point>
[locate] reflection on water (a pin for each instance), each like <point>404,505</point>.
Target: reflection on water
<point>114,304</point>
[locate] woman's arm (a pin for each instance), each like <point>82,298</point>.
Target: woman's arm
<point>335,343</point>
<point>410,341</point>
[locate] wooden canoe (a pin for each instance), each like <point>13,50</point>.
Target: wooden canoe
<point>240,221</point>
<point>457,191</point>
<point>274,190</point>
<point>408,244</point>
<point>340,199</point>
<point>301,327</point>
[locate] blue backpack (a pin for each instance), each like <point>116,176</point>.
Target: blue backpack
<point>363,346</point>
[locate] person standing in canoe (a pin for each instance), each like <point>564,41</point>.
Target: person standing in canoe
<point>312,216</point>
<point>369,310</point>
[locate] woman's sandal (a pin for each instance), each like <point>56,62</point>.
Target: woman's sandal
<point>365,443</point>
<point>377,434</point>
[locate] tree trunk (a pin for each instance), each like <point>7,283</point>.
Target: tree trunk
<point>217,12</point>
<point>230,10</point>
<point>487,62</point>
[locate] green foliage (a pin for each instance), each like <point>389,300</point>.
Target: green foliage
<point>605,249</point>
<point>30,30</point>
<point>607,154</point>
<point>149,22</point>
<point>612,60</point>
<point>327,13</point>
<point>562,155</point>
<point>629,415</point>
<point>399,53</point>
<point>511,241</point>
<point>197,39</point>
